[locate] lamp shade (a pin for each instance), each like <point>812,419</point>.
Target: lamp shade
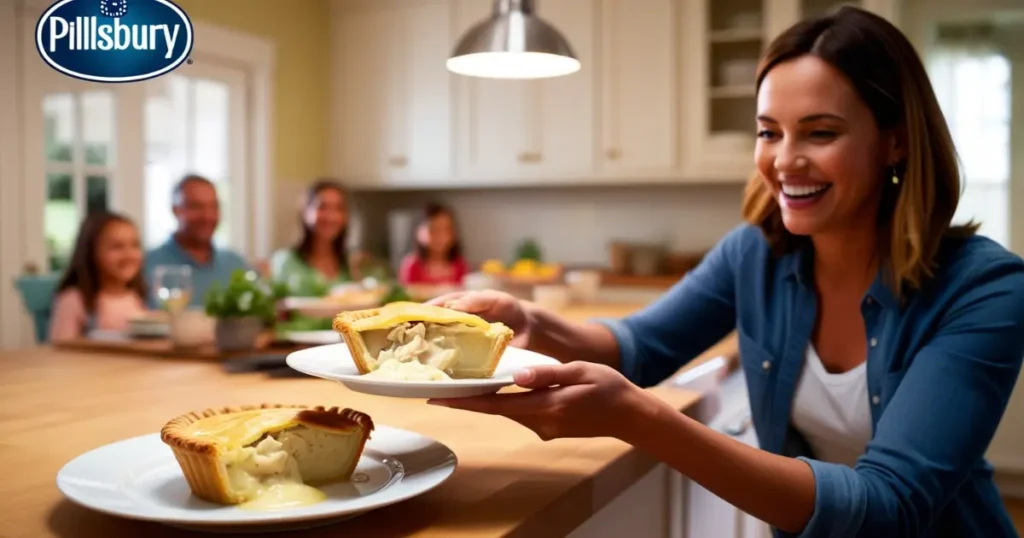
<point>514,43</point>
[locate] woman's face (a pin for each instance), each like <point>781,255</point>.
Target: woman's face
<point>327,214</point>
<point>440,233</point>
<point>818,148</point>
<point>118,252</point>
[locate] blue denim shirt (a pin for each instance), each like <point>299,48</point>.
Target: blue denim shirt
<point>940,370</point>
<point>222,263</point>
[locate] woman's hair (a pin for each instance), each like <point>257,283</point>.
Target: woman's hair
<point>305,246</point>
<point>434,210</point>
<point>881,64</point>
<point>82,272</point>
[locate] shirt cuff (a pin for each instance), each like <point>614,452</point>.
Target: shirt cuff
<point>630,364</point>
<point>839,502</point>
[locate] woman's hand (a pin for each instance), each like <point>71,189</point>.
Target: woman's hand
<point>577,399</point>
<point>493,306</point>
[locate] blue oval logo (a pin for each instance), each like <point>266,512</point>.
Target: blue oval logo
<point>114,40</point>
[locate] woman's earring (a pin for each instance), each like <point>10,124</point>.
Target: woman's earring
<point>895,178</point>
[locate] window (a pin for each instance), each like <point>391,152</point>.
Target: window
<point>78,164</point>
<point>972,81</point>
<point>189,129</point>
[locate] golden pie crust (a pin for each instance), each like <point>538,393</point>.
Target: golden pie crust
<point>351,323</point>
<point>199,457</point>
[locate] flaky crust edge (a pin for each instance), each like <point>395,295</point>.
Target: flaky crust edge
<point>357,347</point>
<point>198,457</point>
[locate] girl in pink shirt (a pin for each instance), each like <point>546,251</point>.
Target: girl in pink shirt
<point>103,286</point>
<point>438,255</point>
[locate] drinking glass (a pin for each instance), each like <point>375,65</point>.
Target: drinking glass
<point>173,285</point>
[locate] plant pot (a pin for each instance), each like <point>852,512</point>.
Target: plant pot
<point>238,334</point>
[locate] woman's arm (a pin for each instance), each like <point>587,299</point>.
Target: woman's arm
<point>930,436</point>
<point>695,314</point>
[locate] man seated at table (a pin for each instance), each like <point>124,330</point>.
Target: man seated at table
<point>197,210</point>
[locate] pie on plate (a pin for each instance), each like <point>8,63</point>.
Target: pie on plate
<point>408,341</point>
<point>269,456</point>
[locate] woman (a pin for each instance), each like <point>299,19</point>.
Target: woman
<point>320,259</point>
<point>438,255</point>
<point>103,286</point>
<point>850,290</point>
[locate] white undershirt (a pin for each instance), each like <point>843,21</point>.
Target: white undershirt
<point>832,411</point>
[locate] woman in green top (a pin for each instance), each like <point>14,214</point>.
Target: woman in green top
<point>319,260</point>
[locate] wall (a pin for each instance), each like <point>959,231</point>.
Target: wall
<point>300,122</point>
<point>572,225</point>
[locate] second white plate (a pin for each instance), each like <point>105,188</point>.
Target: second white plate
<point>334,362</point>
<point>315,338</point>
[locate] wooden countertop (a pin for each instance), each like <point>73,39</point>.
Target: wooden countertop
<point>59,404</point>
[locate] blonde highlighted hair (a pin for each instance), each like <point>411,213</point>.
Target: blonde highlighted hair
<point>916,214</point>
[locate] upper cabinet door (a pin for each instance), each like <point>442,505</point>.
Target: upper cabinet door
<point>640,99</point>
<point>516,131</point>
<point>392,119</point>
<point>722,41</point>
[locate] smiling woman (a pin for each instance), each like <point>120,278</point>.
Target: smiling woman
<point>879,342</point>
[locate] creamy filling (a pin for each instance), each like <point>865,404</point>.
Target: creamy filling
<point>276,472</point>
<point>428,351</point>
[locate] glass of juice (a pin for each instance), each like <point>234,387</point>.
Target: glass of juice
<point>173,286</point>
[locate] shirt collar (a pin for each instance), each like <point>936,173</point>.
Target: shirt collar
<point>799,265</point>
<point>174,247</point>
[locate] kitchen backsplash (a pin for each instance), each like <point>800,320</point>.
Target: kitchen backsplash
<point>572,225</point>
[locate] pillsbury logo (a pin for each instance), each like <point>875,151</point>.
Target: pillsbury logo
<point>114,40</point>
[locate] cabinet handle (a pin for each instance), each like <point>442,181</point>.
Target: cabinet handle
<point>613,153</point>
<point>398,161</point>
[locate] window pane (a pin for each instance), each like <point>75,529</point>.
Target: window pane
<point>187,131</point>
<point>95,194</point>
<point>167,123</point>
<point>97,127</point>
<point>210,135</point>
<point>989,205</point>
<point>59,126</point>
<point>60,219</point>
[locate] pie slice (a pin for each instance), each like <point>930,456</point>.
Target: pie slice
<point>413,341</point>
<point>268,456</point>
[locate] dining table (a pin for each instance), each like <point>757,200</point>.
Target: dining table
<point>58,403</point>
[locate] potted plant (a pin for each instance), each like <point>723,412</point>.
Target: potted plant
<point>242,309</point>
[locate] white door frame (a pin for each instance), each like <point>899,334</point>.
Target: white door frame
<point>21,236</point>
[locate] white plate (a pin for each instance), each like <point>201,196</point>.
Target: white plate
<point>317,307</point>
<point>315,338</point>
<point>139,478</point>
<point>335,362</point>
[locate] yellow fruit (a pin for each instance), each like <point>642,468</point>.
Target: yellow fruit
<point>493,267</point>
<point>524,267</point>
<point>548,270</point>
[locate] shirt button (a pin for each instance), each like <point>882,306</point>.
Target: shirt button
<point>874,342</point>
<point>766,365</point>
<point>875,399</point>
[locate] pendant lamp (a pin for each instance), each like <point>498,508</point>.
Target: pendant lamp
<point>514,43</point>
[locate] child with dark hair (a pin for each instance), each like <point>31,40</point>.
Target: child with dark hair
<point>437,258</point>
<point>103,286</point>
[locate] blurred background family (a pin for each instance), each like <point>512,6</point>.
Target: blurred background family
<point>111,283</point>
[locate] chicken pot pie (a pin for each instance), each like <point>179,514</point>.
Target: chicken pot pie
<point>267,457</point>
<point>419,342</point>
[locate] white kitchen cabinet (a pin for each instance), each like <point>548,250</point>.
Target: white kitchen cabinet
<point>639,88</point>
<point>391,116</point>
<point>722,41</point>
<point>666,93</point>
<point>523,131</point>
